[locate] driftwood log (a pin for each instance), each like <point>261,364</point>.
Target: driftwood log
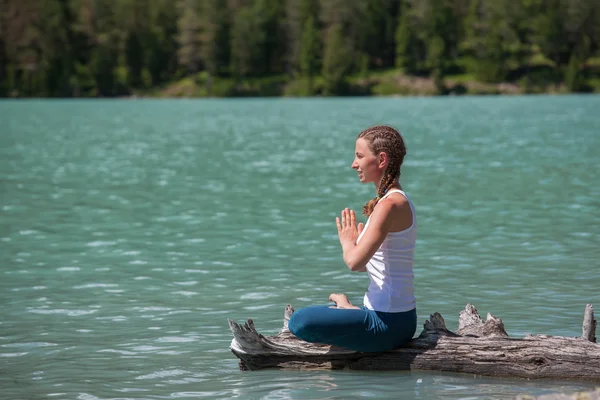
<point>477,347</point>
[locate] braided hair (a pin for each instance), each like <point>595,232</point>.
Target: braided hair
<point>383,138</point>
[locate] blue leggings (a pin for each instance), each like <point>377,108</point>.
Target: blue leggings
<point>361,329</point>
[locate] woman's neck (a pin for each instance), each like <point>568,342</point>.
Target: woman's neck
<point>396,185</point>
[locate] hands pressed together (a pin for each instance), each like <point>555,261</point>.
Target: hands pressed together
<point>348,233</point>
<point>348,230</point>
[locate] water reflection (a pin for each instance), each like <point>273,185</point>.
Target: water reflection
<point>287,385</point>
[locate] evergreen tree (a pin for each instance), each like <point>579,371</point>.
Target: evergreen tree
<point>247,43</point>
<point>375,32</point>
<point>408,48</point>
<point>350,18</point>
<point>161,55</point>
<point>440,37</point>
<point>188,39</point>
<point>581,26</point>
<point>548,25</point>
<point>336,61</point>
<point>310,52</point>
<point>489,40</point>
<point>272,33</point>
<point>215,37</point>
<point>297,12</point>
<point>573,74</point>
<point>101,66</point>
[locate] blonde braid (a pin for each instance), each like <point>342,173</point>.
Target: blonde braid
<point>383,138</point>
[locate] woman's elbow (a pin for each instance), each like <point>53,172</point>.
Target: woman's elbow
<point>356,265</point>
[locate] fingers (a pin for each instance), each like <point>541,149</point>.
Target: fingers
<point>340,222</point>
<point>347,221</point>
<point>348,218</point>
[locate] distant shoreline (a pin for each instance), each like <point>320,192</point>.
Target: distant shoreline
<point>386,83</point>
<point>374,84</point>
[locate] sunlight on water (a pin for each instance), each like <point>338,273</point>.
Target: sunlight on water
<point>132,230</point>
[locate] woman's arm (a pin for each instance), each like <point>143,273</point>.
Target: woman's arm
<point>356,255</point>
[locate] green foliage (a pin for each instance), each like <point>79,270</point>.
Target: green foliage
<point>405,39</point>
<point>310,49</point>
<point>247,43</point>
<point>297,12</point>
<point>188,37</point>
<point>215,37</point>
<point>400,85</point>
<point>68,48</point>
<point>102,64</point>
<point>572,74</point>
<point>489,39</point>
<point>594,84</point>
<point>83,82</point>
<point>310,52</point>
<point>303,87</point>
<point>221,87</point>
<point>336,61</point>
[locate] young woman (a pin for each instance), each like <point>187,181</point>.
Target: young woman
<point>384,248</point>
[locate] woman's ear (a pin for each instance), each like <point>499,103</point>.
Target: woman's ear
<point>383,160</point>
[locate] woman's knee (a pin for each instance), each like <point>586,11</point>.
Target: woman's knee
<point>304,323</point>
<point>294,324</point>
<point>299,323</point>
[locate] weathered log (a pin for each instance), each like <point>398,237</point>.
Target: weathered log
<point>477,347</point>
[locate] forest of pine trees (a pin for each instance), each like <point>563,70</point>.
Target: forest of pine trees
<point>88,48</point>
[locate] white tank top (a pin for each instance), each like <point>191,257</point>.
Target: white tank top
<point>391,287</point>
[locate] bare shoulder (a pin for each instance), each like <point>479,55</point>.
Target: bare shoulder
<point>395,201</point>
<point>396,208</point>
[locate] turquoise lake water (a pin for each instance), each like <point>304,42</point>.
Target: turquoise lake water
<point>131,230</point>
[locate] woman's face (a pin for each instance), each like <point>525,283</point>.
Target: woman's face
<point>367,164</point>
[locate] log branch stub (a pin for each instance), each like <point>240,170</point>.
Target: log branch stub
<point>246,335</point>
<point>493,327</point>
<point>435,322</point>
<point>467,317</point>
<point>436,326</point>
<point>589,324</point>
<point>471,324</point>
<point>287,313</point>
